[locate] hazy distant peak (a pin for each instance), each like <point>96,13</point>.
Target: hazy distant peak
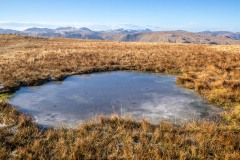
<point>66,28</point>
<point>226,34</point>
<point>8,31</point>
<point>215,32</point>
<point>180,31</point>
<point>127,31</point>
<point>85,29</point>
<point>147,30</point>
<point>34,29</point>
<point>120,29</point>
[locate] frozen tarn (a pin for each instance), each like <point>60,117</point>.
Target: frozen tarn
<point>142,95</point>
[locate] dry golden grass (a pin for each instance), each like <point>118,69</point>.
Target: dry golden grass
<point>213,71</point>
<point>116,138</point>
<point>227,48</point>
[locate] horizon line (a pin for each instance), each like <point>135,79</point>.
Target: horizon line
<point>23,25</point>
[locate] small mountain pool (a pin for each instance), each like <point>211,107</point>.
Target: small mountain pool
<point>82,97</point>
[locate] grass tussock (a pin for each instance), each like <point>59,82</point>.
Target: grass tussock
<point>116,138</point>
<point>213,71</point>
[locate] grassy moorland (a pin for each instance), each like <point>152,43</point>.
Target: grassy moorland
<point>213,71</point>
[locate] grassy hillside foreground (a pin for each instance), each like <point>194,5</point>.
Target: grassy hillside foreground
<point>213,71</point>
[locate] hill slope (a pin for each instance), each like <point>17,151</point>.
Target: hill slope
<point>171,37</point>
<point>206,37</point>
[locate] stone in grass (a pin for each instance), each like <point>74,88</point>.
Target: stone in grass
<point>2,89</point>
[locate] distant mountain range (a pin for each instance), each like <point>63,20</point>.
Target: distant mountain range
<point>129,35</point>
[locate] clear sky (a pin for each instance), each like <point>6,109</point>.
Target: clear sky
<point>193,15</point>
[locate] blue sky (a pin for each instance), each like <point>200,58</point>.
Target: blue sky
<point>192,15</point>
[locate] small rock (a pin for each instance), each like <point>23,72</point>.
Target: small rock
<point>2,89</point>
<point>2,125</point>
<point>1,86</point>
<point>51,78</point>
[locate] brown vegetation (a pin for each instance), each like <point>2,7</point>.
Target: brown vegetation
<point>213,71</point>
<point>117,138</point>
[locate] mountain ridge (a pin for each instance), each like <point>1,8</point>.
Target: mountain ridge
<point>130,35</point>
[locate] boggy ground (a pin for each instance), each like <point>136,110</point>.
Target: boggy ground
<point>213,71</point>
